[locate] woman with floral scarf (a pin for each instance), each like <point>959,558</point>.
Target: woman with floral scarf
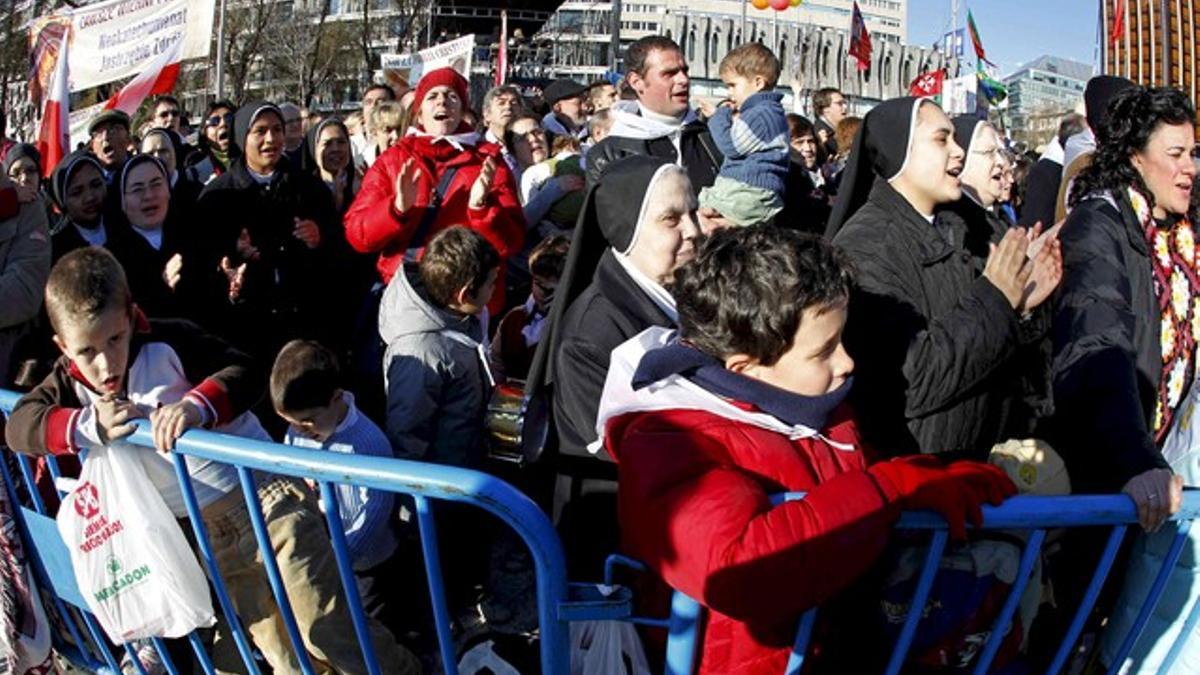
<point>1126,324</point>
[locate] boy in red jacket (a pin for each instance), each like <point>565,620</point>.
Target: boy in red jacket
<point>746,401</point>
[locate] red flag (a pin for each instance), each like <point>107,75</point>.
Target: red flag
<point>157,78</point>
<point>928,84</point>
<point>54,137</point>
<point>860,39</point>
<point>1118,22</point>
<point>502,53</point>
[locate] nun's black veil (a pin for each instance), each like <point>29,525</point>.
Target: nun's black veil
<point>880,151</point>
<point>608,219</point>
<point>965,127</point>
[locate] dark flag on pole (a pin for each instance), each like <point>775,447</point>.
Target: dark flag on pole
<point>860,39</point>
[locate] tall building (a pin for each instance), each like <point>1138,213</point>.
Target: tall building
<point>1040,93</point>
<point>1155,42</point>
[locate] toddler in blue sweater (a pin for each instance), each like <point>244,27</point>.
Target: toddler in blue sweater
<point>753,135</point>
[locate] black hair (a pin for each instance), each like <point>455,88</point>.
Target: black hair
<point>305,376</point>
<point>220,103</point>
<point>1133,116</point>
<point>165,98</point>
<point>746,290</point>
<point>391,92</point>
<point>637,53</point>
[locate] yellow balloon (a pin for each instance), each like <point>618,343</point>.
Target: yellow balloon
<point>759,4</point>
<point>796,3</point>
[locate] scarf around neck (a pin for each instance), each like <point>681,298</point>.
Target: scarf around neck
<point>1176,272</point>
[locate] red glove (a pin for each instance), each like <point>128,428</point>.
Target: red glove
<point>955,492</point>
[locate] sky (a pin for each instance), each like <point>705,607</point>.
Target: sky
<point>1013,31</point>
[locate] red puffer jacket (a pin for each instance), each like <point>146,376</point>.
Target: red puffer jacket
<point>373,226</point>
<point>694,506</point>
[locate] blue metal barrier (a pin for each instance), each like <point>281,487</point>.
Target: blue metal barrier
<point>558,603</point>
<point>426,482</point>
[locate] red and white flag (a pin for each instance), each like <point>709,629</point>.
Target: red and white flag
<point>502,53</point>
<point>54,137</point>
<point>928,84</point>
<point>158,78</point>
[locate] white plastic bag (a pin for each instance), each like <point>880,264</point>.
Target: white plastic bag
<point>607,648</point>
<point>132,563</point>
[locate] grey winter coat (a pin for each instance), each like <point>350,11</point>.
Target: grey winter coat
<point>24,268</point>
<point>437,385</point>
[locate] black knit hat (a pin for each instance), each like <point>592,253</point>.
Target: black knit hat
<point>1100,91</point>
<point>245,118</point>
<point>67,168</point>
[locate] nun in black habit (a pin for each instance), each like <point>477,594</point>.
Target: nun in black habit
<point>637,225</point>
<point>932,333</point>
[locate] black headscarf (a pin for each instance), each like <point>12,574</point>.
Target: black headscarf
<point>61,177</point>
<point>245,117</point>
<point>965,127</point>
<point>134,162</point>
<point>20,151</point>
<point>174,139</point>
<point>609,218</point>
<point>314,135</point>
<point>881,149</point>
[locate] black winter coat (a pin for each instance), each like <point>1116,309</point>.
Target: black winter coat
<point>610,310</point>
<point>289,289</point>
<point>1107,350</point>
<point>196,295</point>
<point>930,337</point>
<point>1029,379</point>
<point>701,157</point>
<point>1041,194</point>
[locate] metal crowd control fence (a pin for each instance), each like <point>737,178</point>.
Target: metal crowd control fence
<point>559,603</point>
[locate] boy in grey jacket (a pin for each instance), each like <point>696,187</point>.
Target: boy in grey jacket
<point>433,318</point>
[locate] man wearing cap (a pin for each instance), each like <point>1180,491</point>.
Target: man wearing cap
<point>109,132</point>
<point>566,117</point>
<point>661,122</point>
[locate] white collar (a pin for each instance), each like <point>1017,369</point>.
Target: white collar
<point>653,290</point>
<point>459,141</point>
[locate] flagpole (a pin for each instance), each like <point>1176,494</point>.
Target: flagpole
<point>221,50</point>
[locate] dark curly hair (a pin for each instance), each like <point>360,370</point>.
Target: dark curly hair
<point>746,290</point>
<point>1133,116</point>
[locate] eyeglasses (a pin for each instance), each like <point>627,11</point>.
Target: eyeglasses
<point>995,153</point>
<point>215,120</point>
<point>169,112</point>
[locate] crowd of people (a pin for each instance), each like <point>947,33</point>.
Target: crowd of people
<point>716,303</point>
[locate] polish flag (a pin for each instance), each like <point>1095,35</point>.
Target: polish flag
<point>158,78</point>
<point>54,137</point>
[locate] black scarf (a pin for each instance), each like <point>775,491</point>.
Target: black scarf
<point>680,358</point>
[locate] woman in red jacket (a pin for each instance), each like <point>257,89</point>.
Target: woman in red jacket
<point>746,401</point>
<point>442,160</point>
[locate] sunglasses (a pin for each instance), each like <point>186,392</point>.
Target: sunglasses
<point>215,120</point>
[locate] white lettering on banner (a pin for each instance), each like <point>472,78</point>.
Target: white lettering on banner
<point>404,70</point>
<point>116,39</point>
